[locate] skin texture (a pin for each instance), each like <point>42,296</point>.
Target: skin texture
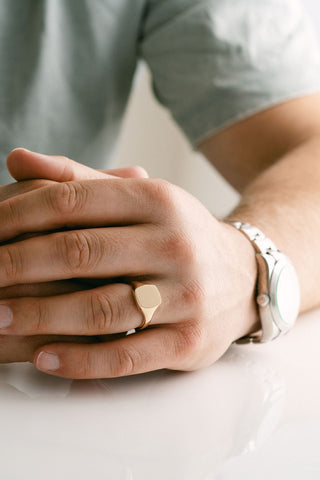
<point>140,229</point>
<point>273,160</point>
<point>20,348</point>
<point>150,236</point>
<point>242,152</point>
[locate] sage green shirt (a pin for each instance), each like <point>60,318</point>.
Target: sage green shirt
<point>67,66</point>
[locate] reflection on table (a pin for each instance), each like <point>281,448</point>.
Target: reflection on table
<point>200,425</point>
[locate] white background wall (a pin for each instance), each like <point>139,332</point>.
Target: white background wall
<point>150,138</point>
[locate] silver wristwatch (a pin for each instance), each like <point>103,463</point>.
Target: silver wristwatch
<point>278,290</point>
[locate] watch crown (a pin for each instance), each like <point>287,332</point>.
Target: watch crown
<point>263,300</point>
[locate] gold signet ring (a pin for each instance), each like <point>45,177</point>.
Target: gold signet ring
<point>148,299</point>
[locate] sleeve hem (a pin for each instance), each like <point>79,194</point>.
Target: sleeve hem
<point>205,123</point>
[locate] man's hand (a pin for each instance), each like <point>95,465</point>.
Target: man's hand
<point>25,166</point>
<point>21,348</point>
<point>131,230</point>
<point>151,231</point>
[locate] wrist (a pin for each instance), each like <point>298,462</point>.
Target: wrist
<point>244,283</point>
<point>278,289</point>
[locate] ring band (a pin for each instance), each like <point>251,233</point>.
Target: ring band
<point>148,299</point>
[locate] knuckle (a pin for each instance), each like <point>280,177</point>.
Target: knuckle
<point>189,342</point>
<point>79,251</point>
<point>160,192</point>
<point>179,247</point>
<point>39,317</point>
<point>124,362</point>
<point>67,198</point>
<point>194,297</point>
<point>12,262</point>
<point>103,314</point>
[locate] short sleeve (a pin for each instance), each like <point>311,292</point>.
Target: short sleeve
<point>215,62</point>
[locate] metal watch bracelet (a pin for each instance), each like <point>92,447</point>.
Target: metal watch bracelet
<point>278,291</point>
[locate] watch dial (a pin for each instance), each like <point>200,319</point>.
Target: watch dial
<point>288,295</point>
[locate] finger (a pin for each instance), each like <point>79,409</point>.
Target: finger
<point>18,188</point>
<point>24,164</point>
<point>151,349</point>
<point>90,203</point>
<point>42,289</point>
<point>94,253</point>
<point>101,311</point>
<point>21,349</point>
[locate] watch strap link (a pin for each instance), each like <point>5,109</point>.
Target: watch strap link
<point>261,243</point>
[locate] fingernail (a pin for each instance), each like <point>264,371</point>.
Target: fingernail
<point>5,316</point>
<point>47,361</point>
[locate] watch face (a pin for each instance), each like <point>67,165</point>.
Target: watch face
<point>287,294</point>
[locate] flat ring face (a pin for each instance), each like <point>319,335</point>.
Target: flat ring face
<point>148,296</point>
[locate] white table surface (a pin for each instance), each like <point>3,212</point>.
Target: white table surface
<point>255,414</point>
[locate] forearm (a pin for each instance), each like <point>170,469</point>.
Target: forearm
<point>284,202</point>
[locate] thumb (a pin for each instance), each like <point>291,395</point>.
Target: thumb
<point>23,164</point>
